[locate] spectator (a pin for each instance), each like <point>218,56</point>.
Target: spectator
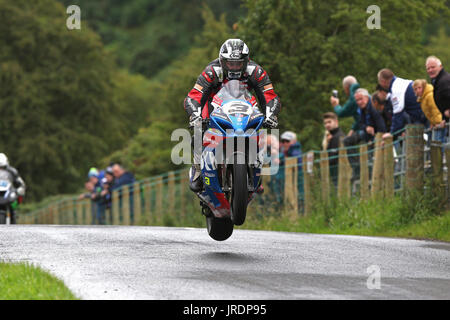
<point>121,176</point>
<point>332,141</point>
<point>290,147</point>
<point>424,93</point>
<point>370,123</point>
<point>108,182</point>
<point>383,106</point>
<point>403,100</point>
<point>89,187</point>
<point>440,79</point>
<point>98,210</point>
<point>350,108</point>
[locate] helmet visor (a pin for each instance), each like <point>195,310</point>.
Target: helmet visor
<point>235,65</point>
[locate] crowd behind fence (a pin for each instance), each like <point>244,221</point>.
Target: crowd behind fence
<point>385,167</point>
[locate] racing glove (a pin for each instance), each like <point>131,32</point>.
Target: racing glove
<point>271,122</point>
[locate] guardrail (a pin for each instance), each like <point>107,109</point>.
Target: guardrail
<point>384,167</point>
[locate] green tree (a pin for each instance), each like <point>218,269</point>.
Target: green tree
<point>61,108</point>
<point>309,46</point>
<point>147,35</point>
<point>148,153</point>
<point>439,46</point>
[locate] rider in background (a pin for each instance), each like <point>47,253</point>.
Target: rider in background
<point>233,64</point>
<point>16,180</point>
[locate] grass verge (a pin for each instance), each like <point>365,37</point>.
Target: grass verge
<point>21,281</point>
<point>399,216</point>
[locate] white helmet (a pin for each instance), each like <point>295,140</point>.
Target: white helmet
<point>3,160</point>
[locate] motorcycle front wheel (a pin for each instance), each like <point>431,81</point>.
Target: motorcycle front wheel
<point>239,198</point>
<point>219,229</point>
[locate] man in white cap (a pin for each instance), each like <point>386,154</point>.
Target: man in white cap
<point>289,145</point>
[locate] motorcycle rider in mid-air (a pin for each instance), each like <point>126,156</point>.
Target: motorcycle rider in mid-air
<point>12,175</point>
<point>233,64</point>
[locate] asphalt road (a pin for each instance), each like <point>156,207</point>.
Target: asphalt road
<point>180,263</point>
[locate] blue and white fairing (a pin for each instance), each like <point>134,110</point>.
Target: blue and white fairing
<point>235,115</point>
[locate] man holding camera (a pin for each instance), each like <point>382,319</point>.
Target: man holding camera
<point>350,108</point>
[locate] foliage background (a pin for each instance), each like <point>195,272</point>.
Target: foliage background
<point>113,91</point>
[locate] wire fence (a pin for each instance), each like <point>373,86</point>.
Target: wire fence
<point>379,169</point>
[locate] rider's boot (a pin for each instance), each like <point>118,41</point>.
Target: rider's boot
<point>195,181</point>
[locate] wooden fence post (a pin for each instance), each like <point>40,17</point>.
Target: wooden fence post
<point>290,186</point>
<point>437,167</point>
<point>88,218</point>
<point>307,185</point>
<point>115,207</point>
<point>171,192</point>
<point>148,202</point>
<point>388,168</point>
<point>364,171</point>
<point>159,196</point>
<point>79,211</point>
<point>137,210</point>
<point>56,213</point>
<point>325,176</point>
<point>70,211</point>
<point>414,158</point>
<point>378,168</point>
<point>184,185</point>
<point>344,173</point>
<point>126,205</point>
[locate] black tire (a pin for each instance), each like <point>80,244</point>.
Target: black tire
<point>219,229</point>
<point>239,199</point>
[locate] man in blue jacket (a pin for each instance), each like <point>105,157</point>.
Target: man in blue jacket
<point>370,123</point>
<point>122,178</point>
<point>290,147</point>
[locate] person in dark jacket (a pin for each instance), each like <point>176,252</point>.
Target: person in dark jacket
<point>383,106</point>
<point>121,176</point>
<point>404,100</point>
<point>106,194</point>
<point>290,147</point>
<point>370,123</point>
<point>332,142</point>
<point>440,79</point>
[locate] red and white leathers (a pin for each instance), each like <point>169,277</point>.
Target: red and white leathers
<point>211,80</point>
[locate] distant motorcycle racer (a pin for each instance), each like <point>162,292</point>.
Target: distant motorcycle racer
<point>12,175</point>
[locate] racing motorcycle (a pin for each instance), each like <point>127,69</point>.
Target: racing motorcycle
<point>8,196</point>
<point>231,160</point>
